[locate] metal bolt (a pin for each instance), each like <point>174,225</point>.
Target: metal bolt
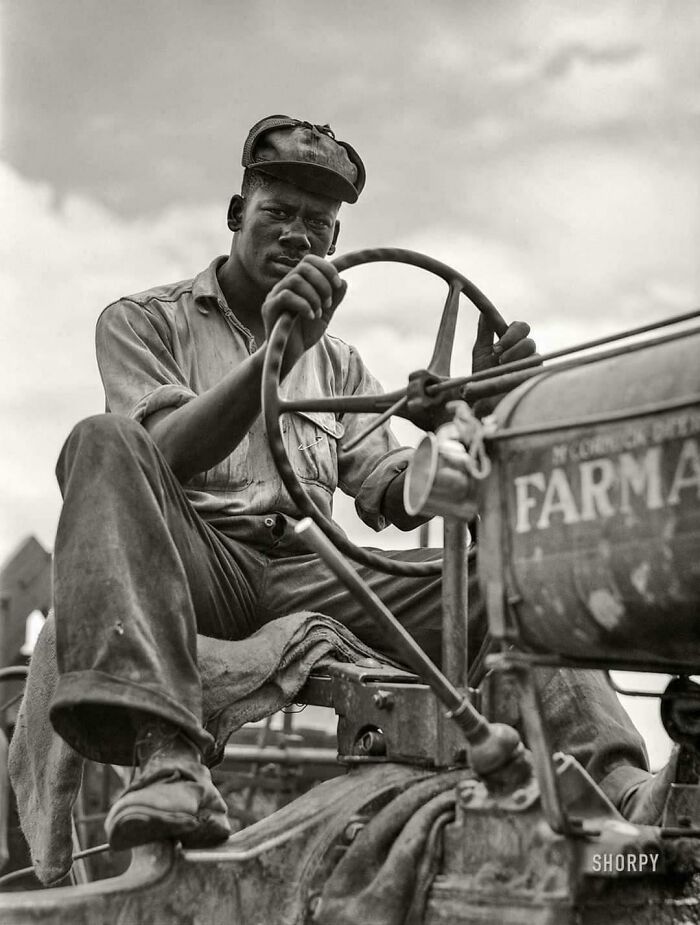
<point>371,742</point>
<point>383,700</point>
<point>466,790</point>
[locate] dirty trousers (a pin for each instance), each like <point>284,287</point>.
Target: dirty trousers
<point>138,573</point>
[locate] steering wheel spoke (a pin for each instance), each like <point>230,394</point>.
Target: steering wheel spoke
<point>384,405</point>
<point>384,416</point>
<point>441,359</point>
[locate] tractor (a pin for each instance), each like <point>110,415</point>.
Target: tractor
<point>583,485</point>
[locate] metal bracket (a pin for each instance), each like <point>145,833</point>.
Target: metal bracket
<point>386,714</point>
<point>424,410</point>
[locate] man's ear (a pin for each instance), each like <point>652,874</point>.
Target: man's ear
<point>234,219</point>
<point>336,232</point>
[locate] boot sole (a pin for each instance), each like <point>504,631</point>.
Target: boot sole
<point>133,827</point>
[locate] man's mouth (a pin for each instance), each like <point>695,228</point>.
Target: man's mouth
<point>285,260</point>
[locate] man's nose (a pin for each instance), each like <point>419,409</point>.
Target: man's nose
<point>294,234</point>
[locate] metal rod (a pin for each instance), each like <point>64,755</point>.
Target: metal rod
<point>424,535</point>
<point>614,663</point>
<point>384,416</point>
<point>680,832</point>
<point>478,381</point>
<point>632,332</point>
<point>537,738</point>
<point>261,742</point>
<point>658,695</point>
<point>360,404</point>
<point>79,871</point>
<point>11,701</point>
<point>23,871</point>
<point>253,754</point>
<point>14,673</point>
<point>472,723</point>
<point>455,655</point>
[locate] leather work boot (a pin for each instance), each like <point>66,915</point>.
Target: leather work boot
<point>171,796</point>
<point>644,803</point>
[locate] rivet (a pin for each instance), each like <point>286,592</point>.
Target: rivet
<point>383,700</point>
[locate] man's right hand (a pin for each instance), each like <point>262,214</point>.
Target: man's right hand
<point>312,290</point>
<point>200,433</point>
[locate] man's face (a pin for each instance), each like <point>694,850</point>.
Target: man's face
<point>281,224</point>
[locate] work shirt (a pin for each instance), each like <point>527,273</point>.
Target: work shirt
<point>163,347</point>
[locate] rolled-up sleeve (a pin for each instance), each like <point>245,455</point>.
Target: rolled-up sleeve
<point>366,472</point>
<point>136,361</point>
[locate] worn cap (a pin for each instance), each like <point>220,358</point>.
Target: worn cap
<point>307,155</point>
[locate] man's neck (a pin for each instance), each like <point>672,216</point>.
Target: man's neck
<point>242,296</point>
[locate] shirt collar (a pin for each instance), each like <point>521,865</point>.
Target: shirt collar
<point>205,287</point>
<point>207,294</point>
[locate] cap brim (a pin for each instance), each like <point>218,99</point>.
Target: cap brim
<point>312,177</point>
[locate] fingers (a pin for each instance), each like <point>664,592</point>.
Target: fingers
<point>515,343</point>
<point>289,301</point>
<point>317,276</point>
<point>526,348</point>
<point>306,292</point>
<point>515,332</point>
<point>311,291</point>
<point>339,294</point>
<point>316,282</point>
<point>324,267</point>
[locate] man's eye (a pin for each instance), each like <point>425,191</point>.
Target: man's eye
<point>318,224</point>
<point>276,213</point>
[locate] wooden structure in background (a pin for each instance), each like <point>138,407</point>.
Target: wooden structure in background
<point>25,586</point>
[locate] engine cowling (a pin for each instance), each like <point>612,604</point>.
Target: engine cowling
<point>590,534</point>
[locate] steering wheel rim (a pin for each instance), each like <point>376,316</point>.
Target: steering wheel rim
<point>272,400</point>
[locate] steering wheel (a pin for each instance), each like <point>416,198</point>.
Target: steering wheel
<point>274,405</point>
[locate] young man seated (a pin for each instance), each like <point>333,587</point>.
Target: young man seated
<point>175,521</point>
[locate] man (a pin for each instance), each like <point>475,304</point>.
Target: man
<point>175,521</point>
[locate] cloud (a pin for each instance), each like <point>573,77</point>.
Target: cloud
<point>446,85</point>
<point>59,266</point>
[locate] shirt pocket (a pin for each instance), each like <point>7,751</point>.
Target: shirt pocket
<point>232,474</point>
<point>311,438</point>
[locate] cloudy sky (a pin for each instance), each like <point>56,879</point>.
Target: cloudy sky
<point>547,149</point>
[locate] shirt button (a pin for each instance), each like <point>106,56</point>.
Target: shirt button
<point>269,521</point>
